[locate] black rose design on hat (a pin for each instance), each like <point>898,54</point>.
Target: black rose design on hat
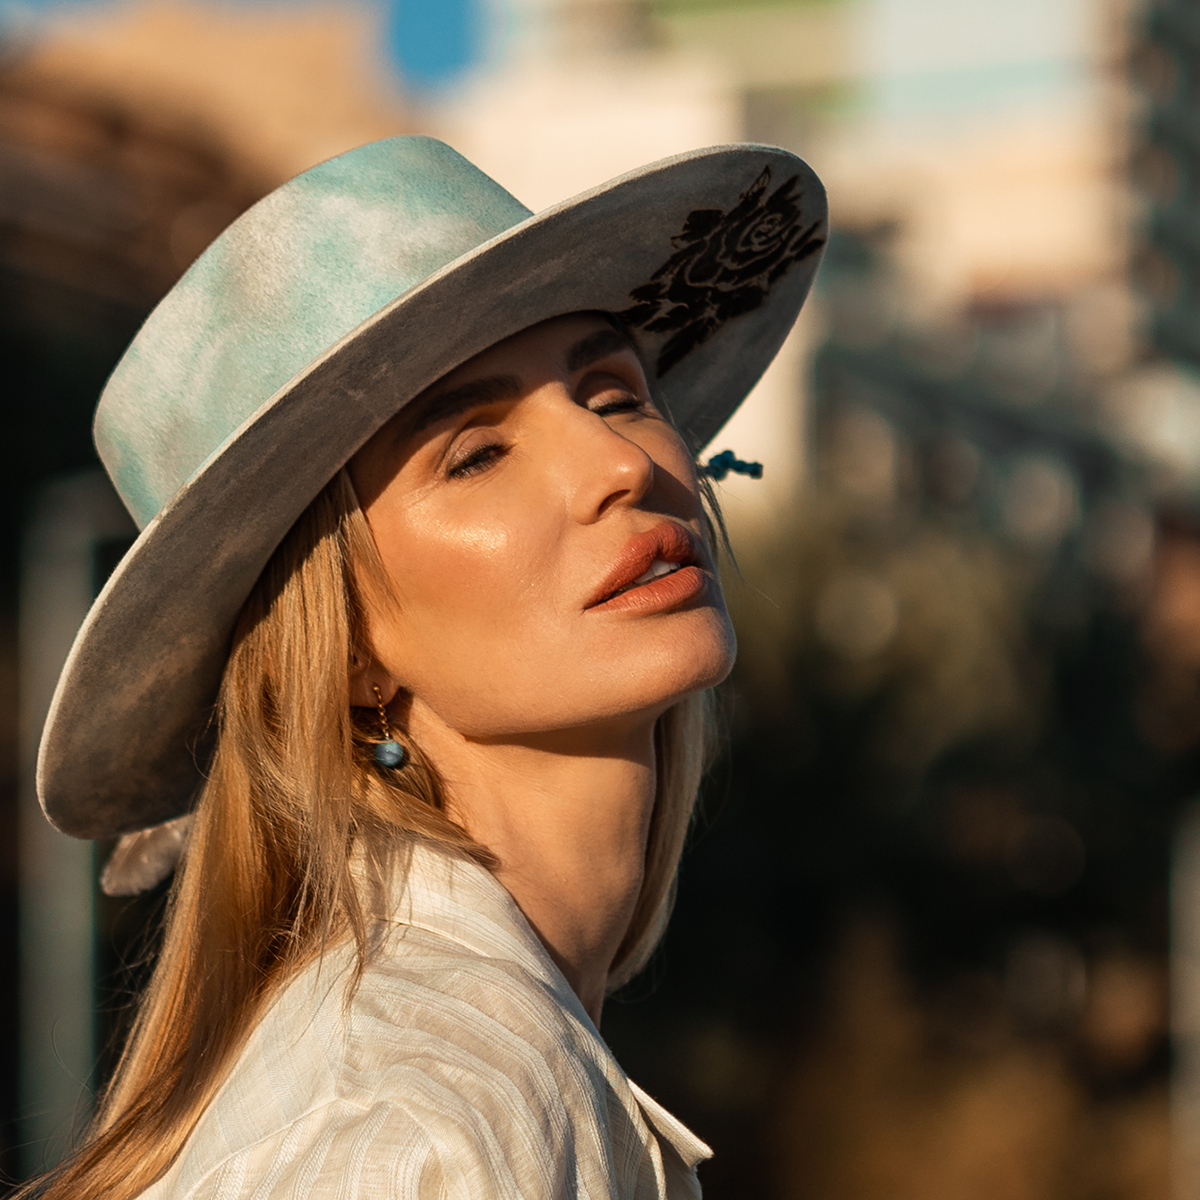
<point>725,265</point>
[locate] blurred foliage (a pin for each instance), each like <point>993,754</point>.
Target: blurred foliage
<point>920,942</point>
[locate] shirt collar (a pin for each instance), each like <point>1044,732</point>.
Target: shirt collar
<point>672,1130</point>
<point>457,899</point>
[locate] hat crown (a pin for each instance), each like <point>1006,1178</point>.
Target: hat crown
<point>283,285</point>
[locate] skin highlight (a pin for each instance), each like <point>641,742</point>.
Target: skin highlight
<point>508,503</point>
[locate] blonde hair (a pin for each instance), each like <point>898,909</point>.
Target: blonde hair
<point>266,883</point>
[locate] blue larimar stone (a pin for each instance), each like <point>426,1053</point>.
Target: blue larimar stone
<point>389,754</point>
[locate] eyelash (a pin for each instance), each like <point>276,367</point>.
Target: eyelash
<point>483,456</point>
<point>627,403</point>
<point>478,460</point>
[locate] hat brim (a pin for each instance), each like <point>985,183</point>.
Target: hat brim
<point>128,734</point>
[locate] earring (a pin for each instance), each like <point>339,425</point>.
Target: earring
<point>388,751</point>
<point>721,464</point>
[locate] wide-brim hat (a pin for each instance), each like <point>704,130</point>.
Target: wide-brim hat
<point>310,322</point>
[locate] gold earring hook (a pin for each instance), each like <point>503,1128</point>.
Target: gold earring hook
<point>384,727</point>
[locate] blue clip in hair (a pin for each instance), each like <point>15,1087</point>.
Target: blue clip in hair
<point>721,464</point>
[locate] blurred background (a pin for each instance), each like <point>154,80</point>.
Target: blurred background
<point>938,934</point>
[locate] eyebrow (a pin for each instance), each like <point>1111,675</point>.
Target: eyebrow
<point>596,346</point>
<point>457,400</point>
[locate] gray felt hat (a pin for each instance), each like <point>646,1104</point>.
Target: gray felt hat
<point>306,325</point>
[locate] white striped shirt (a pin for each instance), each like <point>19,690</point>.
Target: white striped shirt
<point>463,1067</point>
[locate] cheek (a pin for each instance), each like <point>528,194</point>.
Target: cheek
<point>672,457</point>
<point>677,489</point>
<point>465,591</point>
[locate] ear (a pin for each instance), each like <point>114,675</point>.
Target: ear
<point>366,674</point>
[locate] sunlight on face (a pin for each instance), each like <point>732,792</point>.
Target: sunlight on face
<point>542,527</point>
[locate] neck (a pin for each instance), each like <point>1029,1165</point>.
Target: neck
<point>567,817</point>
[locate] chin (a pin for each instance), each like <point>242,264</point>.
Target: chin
<point>609,682</point>
<point>688,662</point>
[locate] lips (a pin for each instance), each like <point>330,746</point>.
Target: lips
<point>665,559</point>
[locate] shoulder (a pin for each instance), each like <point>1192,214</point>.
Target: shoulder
<point>389,1151</point>
<point>333,1150</point>
<point>447,1071</point>
<point>512,1090</point>
<point>466,1037</point>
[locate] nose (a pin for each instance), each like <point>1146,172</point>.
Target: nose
<point>601,466</point>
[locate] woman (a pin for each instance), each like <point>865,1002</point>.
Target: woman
<point>418,631</point>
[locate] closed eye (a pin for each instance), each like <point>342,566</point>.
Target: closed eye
<point>618,404</point>
<point>477,460</point>
<point>614,388</point>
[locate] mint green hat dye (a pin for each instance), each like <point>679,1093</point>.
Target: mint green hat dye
<point>292,277</point>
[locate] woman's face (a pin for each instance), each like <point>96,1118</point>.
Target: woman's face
<point>541,526</point>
